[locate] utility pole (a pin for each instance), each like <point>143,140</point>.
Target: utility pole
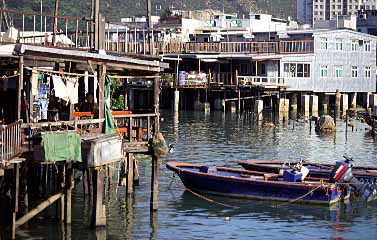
<point>150,27</point>
<point>55,27</point>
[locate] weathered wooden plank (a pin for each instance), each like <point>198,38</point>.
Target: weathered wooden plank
<point>39,208</point>
<point>154,183</point>
<point>130,173</point>
<point>98,209</point>
<point>15,193</point>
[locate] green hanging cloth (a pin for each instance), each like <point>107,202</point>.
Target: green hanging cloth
<point>109,126</point>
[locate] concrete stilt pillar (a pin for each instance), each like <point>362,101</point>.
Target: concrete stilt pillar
<point>198,106</point>
<point>206,107</point>
<point>353,97</point>
<point>323,101</point>
<point>294,102</point>
<point>283,108</point>
<point>305,105</point>
<point>314,105</point>
<point>176,101</point>
<point>258,109</point>
<point>337,104</point>
<point>372,100</point>
<point>232,106</point>
<point>218,104</point>
<point>344,104</point>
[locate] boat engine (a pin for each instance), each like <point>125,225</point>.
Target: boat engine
<point>342,173</point>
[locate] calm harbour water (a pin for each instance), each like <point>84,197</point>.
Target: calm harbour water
<point>223,139</point>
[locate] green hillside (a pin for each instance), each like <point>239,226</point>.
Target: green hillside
<point>115,9</point>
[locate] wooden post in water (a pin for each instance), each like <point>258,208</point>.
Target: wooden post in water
<point>60,205</point>
<point>154,183</point>
<point>136,172</point>
<point>156,93</point>
<point>101,92</point>
<point>130,174</point>
<point>15,193</point>
<point>68,193</point>
<point>25,184</point>
<point>337,105</point>
<point>98,209</point>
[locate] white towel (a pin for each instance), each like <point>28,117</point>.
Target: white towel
<point>73,90</point>
<point>60,88</point>
<point>34,83</point>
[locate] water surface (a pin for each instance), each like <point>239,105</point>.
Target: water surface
<point>223,139</point>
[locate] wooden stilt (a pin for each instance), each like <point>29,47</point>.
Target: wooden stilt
<point>109,176</point>
<point>83,182</point>
<point>26,190</point>
<point>60,207</point>
<point>69,182</point>
<point>130,174</point>
<point>42,206</point>
<point>98,209</point>
<point>15,193</point>
<point>89,180</point>
<point>136,172</point>
<point>154,183</point>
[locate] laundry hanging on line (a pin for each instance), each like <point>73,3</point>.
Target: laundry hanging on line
<point>69,91</point>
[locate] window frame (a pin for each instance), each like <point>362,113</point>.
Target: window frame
<point>367,72</point>
<point>354,69</point>
<point>324,69</point>
<point>339,69</point>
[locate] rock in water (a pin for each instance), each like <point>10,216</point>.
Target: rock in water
<point>325,124</point>
<point>160,148</point>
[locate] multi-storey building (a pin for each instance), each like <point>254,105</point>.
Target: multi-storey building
<point>367,22</point>
<point>309,11</point>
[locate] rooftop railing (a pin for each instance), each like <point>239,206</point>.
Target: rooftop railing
<point>74,32</point>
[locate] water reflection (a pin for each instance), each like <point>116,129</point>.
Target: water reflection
<point>221,138</point>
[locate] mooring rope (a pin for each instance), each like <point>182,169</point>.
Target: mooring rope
<point>211,200</point>
<point>173,179</point>
<point>299,198</point>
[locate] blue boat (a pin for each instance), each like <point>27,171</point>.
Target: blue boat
<point>317,170</point>
<point>257,185</point>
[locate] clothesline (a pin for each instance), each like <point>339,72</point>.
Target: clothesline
<point>7,77</point>
<point>87,74</point>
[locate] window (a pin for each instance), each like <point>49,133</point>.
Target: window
<point>300,70</point>
<point>292,70</point>
<point>323,71</point>
<point>367,72</point>
<point>354,45</point>
<point>323,43</point>
<point>306,70</point>
<point>338,71</point>
<point>367,45</point>
<point>354,71</point>
<point>296,70</point>
<point>339,44</point>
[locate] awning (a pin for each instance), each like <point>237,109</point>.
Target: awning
<point>7,50</point>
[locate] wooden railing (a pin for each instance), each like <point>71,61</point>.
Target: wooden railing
<point>275,47</point>
<point>260,80</point>
<point>136,127</point>
<point>37,29</point>
<point>10,141</point>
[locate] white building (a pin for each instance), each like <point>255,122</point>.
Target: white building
<point>309,11</point>
<point>342,59</point>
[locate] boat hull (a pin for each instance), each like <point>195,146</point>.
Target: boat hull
<point>238,187</point>
<point>363,174</point>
